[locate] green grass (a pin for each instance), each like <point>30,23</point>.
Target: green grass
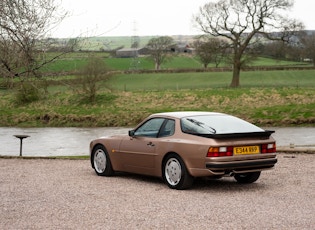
<point>270,98</point>
<point>74,61</point>
<point>263,61</point>
<point>267,98</point>
<point>65,65</point>
<point>98,43</point>
<point>205,80</point>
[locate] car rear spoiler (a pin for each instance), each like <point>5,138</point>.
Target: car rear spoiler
<point>262,134</point>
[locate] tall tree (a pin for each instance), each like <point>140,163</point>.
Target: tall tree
<point>23,26</point>
<point>240,21</point>
<point>308,42</point>
<point>210,50</point>
<point>159,49</point>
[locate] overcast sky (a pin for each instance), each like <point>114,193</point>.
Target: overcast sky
<point>150,17</point>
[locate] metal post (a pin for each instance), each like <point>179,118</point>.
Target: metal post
<point>21,137</point>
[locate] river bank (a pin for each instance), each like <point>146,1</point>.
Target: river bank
<point>276,107</point>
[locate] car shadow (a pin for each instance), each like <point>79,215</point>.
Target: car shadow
<point>200,184</point>
<point>224,184</point>
<point>140,178</point>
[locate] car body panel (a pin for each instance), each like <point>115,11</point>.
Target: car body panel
<point>145,154</point>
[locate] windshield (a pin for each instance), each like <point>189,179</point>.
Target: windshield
<point>217,124</point>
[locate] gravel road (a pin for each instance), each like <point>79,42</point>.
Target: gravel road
<point>67,194</point>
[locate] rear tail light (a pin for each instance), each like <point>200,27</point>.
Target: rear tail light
<point>220,151</point>
<point>268,148</point>
<point>228,151</point>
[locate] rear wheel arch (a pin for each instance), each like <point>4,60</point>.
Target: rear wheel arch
<point>166,156</point>
<point>175,173</point>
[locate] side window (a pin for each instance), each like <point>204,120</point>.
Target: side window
<point>151,128</point>
<point>168,128</point>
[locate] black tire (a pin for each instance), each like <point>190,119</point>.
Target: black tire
<point>175,173</point>
<point>101,162</point>
<point>247,178</point>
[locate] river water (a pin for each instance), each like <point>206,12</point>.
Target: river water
<point>52,141</point>
<point>75,141</point>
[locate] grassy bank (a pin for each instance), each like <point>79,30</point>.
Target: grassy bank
<point>270,98</point>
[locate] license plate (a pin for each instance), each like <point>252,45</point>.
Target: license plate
<point>246,150</point>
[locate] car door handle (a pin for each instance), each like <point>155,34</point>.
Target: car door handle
<point>151,144</point>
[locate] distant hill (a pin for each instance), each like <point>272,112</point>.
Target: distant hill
<point>116,42</point>
<point>113,43</point>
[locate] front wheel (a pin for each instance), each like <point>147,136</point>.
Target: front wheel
<point>101,161</point>
<point>175,173</point>
<point>247,178</point>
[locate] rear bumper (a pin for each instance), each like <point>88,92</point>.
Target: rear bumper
<point>258,163</point>
<point>221,167</point>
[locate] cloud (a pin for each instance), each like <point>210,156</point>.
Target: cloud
<point>138,17</point>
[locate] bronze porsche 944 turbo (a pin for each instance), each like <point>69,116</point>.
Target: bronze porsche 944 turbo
<point>180,146</point>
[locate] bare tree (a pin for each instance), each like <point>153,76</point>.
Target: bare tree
<point>23,26</point>
<point>308,42</point>
<point>210,50</point>
<point>275,49</point>
<point>240,21</point>
<point>94,71</point>
<point>159,49</point>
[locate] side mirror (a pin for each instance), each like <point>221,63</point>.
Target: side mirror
<point>131,133</point>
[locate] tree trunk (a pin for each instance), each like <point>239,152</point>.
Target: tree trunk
<point>236,76</point>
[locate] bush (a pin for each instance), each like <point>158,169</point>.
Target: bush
<point>27,92</point>
<point>93,72</point>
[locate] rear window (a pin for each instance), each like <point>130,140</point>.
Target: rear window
<point>217,124</point>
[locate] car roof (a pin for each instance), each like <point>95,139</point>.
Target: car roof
<point>181,114</point>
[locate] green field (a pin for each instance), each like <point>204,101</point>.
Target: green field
<point>110,43</point>
<point>74,61</point>
<point>210,80</point>
<point>266,98</point>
